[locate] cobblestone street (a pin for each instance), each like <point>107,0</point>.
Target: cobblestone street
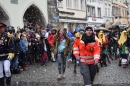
<point>37,75</point>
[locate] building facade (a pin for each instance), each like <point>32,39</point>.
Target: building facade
<point>128,4</point>
<point>16,12</point>
<point>99,12</point>
<point>120,12</point>
<point>107,11</point>
<point>72,13</point>
<point>53,14</point>
<point>94,14</point>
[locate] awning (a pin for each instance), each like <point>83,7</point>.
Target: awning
<point>72,21</point>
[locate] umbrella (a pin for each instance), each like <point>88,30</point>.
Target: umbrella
<point>102,28</point>
<point>118,23</point>
<point>106,24</point>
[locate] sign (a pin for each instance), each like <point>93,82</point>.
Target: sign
<point>55,17</point>
<point>93,19</point>
<point>14,1</point>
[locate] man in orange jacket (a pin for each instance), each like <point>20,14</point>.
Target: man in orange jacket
<point>87,52</point>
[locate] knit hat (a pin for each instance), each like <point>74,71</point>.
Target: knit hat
<point>89,28</point>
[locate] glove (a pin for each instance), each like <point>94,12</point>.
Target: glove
<point>10,58</point>
<point>96,62</point>
<point>78,59</point>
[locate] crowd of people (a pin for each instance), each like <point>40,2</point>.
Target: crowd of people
<point>36,45</point>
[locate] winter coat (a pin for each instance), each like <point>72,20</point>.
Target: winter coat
<point>56,44</point>
<point>89,53</point>
<point>51,39</point>
<point>22,46</point>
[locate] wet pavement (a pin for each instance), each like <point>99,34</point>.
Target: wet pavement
<point>37,75</point>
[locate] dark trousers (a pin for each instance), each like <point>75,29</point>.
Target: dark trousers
<point>103,60</point>
<point>15,62</point>
<point>61,63</point>
<point>88,72</point>
<point>23,59</point>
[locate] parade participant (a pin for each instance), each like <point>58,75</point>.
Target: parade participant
<point>104,42</point>
<point>128,43</point>
<point>15,61</point>
<point>78,36</point>
<point>123,49</point>
<point>87,51</point>
<point>71,37</point>
<point>43,51</point>
<point>61,48</point>
<point>6,55</point>
<point>114,41</point>
<point>51,41</point>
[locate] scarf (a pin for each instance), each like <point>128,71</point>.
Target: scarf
<point>61,37</point>
<point>88,39</point>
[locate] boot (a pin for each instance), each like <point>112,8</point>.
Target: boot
<point>2,82</point>
<point>8,81</point>
<point>119,62</point>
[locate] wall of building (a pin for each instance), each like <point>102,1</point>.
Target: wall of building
<point>72,17</point>
<point>123,14</point>
<point>95,21</point>
<point>78,12</point>
<point>107,11</point>
<point>96,5</point>
<point>16,11</point>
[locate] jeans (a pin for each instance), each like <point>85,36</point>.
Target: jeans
<point>61,63</point>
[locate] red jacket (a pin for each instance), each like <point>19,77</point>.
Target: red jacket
<point>51,39</point>
<point>89,53</point>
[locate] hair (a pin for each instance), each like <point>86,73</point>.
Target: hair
<point>65,34</point>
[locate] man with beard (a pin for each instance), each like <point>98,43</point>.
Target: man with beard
<point>6,55</point>
<point>87,51</point>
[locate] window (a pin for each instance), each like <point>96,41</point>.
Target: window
<point>93,11</point>
<point>59,4</point>
<point>82,4</point>
<point>99,12</point>
<point>105,11</point>
<point>88,10</point>
<point>126,13</point>
<point>68,3</point>
<point>122,12</point>
<point>75,4</point>
<point>113,11</point>
<point>109,12</point>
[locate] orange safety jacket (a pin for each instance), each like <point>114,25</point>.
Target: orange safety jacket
<point>89,53</point>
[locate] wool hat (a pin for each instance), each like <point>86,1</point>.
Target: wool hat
<point>89,28</point>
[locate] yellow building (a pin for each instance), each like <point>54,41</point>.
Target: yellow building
<point>119,11</point>
<point>72,13</point>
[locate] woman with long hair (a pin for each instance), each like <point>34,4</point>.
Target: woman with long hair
<point>61,48</point>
